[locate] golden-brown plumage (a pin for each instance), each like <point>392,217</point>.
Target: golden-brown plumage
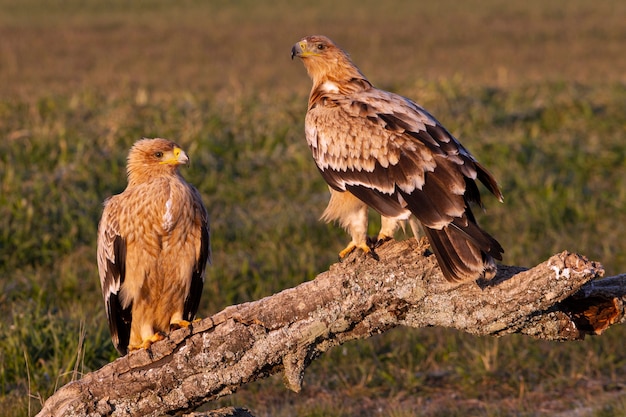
<point>382,150</point>
<point>153,247</point>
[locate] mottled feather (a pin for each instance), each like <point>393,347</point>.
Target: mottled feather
<point>153,247</point>
<point>397,158</point>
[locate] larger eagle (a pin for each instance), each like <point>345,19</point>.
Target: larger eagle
<point>379,149</point>
<point>153,248</point>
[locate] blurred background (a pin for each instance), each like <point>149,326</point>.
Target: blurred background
<point>536,90</point>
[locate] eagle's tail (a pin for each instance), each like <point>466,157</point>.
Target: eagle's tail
<point>464,253</point>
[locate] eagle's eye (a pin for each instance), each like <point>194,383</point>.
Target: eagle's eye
<point>320,46</point>
<point>158,154</point>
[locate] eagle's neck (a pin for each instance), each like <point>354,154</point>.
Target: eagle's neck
<point>342,77</point>
<point>139,174</point>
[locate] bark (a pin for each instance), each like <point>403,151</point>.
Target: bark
<point>559,299</point>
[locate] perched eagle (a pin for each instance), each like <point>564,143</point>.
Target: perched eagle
<point>382,150</point>
<point>153,248</point>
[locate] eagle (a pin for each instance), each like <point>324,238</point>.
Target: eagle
<point>381,150</point>
<point>153,248</point>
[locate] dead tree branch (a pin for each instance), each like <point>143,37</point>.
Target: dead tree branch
<point>556,300</point>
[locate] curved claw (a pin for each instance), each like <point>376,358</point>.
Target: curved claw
<point>378,242</point>
<point>363,246</point>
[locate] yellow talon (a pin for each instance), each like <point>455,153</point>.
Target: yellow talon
<point>365,248</point>
<point>347,251</point>
<point>148,342</point>
<point>179,325</point>
<point>352,246</point>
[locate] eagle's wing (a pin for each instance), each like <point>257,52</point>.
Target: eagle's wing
<point>112,267</point>
<point>396,157</point>
<point>384,149</point>
<point>203,257</point>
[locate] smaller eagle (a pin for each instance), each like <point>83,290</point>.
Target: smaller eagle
<point>153,248</point>
<point>379,149</point>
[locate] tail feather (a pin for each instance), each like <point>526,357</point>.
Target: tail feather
<point>462,259</point>
<point>477,236</point>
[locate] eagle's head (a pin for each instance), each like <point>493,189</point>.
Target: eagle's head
<point>149,158</point>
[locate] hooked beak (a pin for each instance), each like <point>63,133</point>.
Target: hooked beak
<point>176,157</point>
<point>298,49</point>
<point>181,156</point>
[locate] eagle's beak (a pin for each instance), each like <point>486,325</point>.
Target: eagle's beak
<point>176,157</point>
<point>298,49</point>
<point>181,156</point>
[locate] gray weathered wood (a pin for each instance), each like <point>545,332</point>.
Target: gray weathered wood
<point>355,299</point>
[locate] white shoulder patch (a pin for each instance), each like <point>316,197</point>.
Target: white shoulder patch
<point>167,217</point>
<point>329,87</point>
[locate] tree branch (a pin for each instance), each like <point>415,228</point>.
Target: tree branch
<point>355,299</point>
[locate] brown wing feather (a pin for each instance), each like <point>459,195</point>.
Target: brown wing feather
<point>395,156</point>
<point>192,301</point>
<point>112,267</point>
<point>396,147</point>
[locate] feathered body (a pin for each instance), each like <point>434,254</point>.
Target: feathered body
<point>153,247</point>
<point>394,156</point>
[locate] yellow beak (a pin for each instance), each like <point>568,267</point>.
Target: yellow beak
<point>300,50</point>
<point>176,157</point>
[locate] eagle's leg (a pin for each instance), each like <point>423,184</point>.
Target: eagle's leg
<point>352,246</point>
<point>146,343</point>
<point>355,222</point>
<point>179,325</point>
<point>177,321</point>
<point>388,228</point>
<point>363,244</point>
<point>143,332</point>
<point>351,213</point>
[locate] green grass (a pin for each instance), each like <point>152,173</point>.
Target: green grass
<point>516,83</point>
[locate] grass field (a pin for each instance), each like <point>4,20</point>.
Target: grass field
<point>536,90</point>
